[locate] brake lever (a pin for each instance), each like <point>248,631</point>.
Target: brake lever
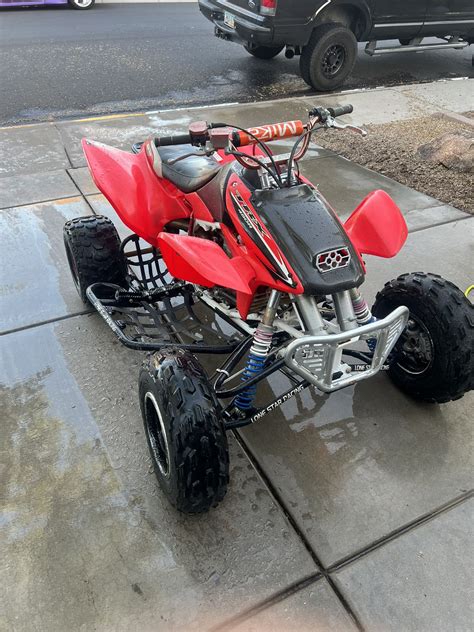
<point>331,122</point>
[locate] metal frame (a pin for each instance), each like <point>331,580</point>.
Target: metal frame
<point>317,359</point>
<point>157,312</point>
<point>137,319</point>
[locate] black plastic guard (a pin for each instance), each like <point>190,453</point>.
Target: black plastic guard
<point>304,225</point>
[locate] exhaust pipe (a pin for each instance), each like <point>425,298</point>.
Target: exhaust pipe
<point>290,52</point>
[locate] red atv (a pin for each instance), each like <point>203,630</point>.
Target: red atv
<point>221,223</point>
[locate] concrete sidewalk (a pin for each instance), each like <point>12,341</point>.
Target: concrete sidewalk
<point>345,512</point>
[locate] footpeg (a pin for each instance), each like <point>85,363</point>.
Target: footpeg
<point>156,294</point>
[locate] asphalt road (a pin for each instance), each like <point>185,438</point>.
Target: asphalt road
<point>57,63</point>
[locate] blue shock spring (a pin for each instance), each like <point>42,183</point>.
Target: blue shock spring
<point>255,365</point>
<point>372,342</point>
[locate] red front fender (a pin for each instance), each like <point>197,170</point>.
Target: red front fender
<point>377,226</point>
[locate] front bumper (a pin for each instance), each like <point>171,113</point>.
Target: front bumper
<point>248,28</point>
<point>317,359</point>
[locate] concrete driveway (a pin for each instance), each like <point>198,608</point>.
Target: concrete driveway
<point>345,512</point>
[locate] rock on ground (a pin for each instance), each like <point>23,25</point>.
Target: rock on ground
<point>454,151</point>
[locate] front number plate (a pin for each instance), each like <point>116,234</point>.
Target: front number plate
<point>229,20</point>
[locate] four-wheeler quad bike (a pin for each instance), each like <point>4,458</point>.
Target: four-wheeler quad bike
<point>234,252</point>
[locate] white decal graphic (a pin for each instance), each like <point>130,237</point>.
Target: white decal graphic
<point>253,223</point>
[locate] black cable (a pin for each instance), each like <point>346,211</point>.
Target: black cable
<point>259,162</point>
<point>293,151</point>
<point>265,148</point>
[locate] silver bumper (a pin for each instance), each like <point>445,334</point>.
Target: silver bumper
<point>318,358</point>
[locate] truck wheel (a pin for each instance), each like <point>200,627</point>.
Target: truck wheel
<point>404,42</point>
<point>263,52</point>
<point>433,360</point>
<point>329,57</point>
<point>82,4</point>
<point>93,253</point>
<point>185,436</point>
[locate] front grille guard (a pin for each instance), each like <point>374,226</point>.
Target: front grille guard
<point>317,359</point>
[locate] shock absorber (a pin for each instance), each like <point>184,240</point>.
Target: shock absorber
<point>262,342</point>
<point>363,313</point>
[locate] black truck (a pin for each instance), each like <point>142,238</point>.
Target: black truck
<point>324,33</point>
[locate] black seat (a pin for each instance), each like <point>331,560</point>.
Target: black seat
<point>213,193</point>
<point>189,174</point>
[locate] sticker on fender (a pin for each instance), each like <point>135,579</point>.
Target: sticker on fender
<point>278,402</point>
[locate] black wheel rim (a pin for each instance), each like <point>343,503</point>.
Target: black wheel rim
<point>73,267</point>
<point>333,60</point>
<point>156,434</point>
<point>415,349</point>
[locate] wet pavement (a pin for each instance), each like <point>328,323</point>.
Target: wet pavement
<point>344,512</point>
<point>137,56</point>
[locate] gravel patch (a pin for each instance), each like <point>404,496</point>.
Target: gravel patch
<point>391,149</point>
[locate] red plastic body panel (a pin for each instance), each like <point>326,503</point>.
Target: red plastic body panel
<point>144,202</point>
<point>204,262</point>
<point>377,226</point>
<point>269,254</point>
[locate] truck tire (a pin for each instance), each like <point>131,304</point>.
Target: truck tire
<point>185,436</point>
<point>329,57</point>
<point>93,253</point>
<point>263,52</point>
<point>433,361</point>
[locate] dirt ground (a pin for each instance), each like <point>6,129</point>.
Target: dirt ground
<point>391,149</point>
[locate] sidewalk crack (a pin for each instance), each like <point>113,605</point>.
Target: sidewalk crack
<point>274,599</point>
<point>396,533</point>
<point>323,571</point>
<point>55,125</point>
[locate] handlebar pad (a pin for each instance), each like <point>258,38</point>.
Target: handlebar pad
<point>178,139</point>
<point>340,111</point>
<point>267,133</point>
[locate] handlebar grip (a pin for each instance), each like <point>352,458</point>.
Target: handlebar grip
<point>178,139</point>
<point>340,111</point>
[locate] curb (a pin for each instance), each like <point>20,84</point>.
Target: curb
<point>269,102</point>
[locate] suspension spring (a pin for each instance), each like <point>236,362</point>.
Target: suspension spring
<point>363,314</point>
<point>258,353</point>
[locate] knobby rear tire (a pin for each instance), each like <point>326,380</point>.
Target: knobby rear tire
<point>93,252</point>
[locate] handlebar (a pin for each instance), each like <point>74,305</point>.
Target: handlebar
<point>177,139</point>
<point>267,133</point>
<point>199,133</point>
<point>340,111</point>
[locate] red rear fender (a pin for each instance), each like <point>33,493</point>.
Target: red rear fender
<point>140,198</point>
<point>377,226</point>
